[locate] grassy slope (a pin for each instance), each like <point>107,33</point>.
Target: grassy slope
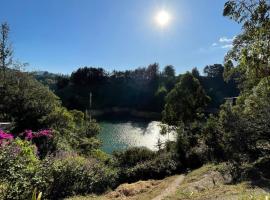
<point>198,185</point>
<point>147,190</point>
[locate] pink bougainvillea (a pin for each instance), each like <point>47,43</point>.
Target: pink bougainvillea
<point>5,137</point>
<point>46,133</point>
<point>29,134</point>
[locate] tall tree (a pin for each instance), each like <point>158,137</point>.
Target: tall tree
<point>185,102</point>
<point>5,50</point>
<point>251,48</point>
<point>168,71</point>
<point>214,71</point>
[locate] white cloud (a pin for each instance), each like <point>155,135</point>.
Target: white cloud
<point>227,46</point>
<point>226,39</point>
<point>223,43</point>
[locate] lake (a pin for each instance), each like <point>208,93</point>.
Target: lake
<point>121,134</point>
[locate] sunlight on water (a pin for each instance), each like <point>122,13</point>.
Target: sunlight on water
<point>116,135</point>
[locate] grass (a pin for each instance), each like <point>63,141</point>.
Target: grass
<point>241,191</point>
<point>196,186</point>
<point>148,193</point>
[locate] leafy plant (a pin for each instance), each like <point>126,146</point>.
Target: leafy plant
<point>36,195</point>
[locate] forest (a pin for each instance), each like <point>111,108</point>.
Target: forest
<point>52,147</point>
<point>144,88</point>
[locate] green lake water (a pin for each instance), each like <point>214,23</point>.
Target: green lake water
<point>121,134</point>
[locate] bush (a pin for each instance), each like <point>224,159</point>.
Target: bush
<point>68,174</point>
<point>157,167</point>
<point>19,167</point>
<point>133,156</point>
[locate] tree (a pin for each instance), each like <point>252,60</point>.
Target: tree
<point>195,72</point>
<point>168,77</point>
<point>5,50</point>
<point>213,71</point>
<point>243,129</point>
<point>26,101</point>
<point>168,71</point>
<point>185,102</point>
<point>251,48</point>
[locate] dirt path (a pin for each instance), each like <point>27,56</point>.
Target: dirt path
<point>171,188</point>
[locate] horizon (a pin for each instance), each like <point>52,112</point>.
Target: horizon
<point>64,35</point>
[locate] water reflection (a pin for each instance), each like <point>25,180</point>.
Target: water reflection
<point>116,135</point>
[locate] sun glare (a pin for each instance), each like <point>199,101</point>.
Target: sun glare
<point>163,18</point>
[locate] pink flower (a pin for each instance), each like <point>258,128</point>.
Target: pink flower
<point>46,133</point>
<point>4,135</point>
<point>28,134</point>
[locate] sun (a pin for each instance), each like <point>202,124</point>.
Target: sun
<point>162,18</point>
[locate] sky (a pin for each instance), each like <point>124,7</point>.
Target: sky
<point>60,36</point>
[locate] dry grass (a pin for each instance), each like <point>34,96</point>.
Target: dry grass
<point>201,184</point>
<point>208,183</point>
<point>142,190</point>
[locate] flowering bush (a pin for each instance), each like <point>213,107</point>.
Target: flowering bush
<point>42,139</point>
<point>19,166</point>
<point>29,134</point>
<point>68,174</point>
<point>4,137</point>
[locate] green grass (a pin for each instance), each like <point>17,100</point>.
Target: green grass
<point>241,191</point>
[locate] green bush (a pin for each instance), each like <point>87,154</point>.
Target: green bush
<point>19,167</point>
<point>157,167</point>
<point>68,174</point>
<point>133,156</point>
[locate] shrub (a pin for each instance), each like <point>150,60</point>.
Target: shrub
<point>43,140</point>
<point>19,166</point>
<point>3,190</point>
<point>157,167</point>
<point>68,174</point>
<point>133,156</point>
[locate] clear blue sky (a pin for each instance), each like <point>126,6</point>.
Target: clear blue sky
<point>62,35</point>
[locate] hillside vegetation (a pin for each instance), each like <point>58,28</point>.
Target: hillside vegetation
<point>208,182</point>
<point>54,150</point>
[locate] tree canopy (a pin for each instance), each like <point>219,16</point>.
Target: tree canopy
<point>185,101</point>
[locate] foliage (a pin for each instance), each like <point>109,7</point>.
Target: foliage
<point>157,167</point>
<point>19,167</point>
<point>68,174</point>
<point>36,196</point>
<point>26,101</point>
<point>213,139</point>
<point>41,139</point>
<point>250,52</point>
<point>5,136</point>
<point>5,53</point>
<point>133,156</point>
<point>215,70</point>
<point>123,89</point>
<point>141,89</point>
<point>240,134</point>
<point>139,163</point>
<point>185,102</point>
<point>216,87</point>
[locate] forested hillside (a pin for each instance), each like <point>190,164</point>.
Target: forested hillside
<point>142,89</point>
